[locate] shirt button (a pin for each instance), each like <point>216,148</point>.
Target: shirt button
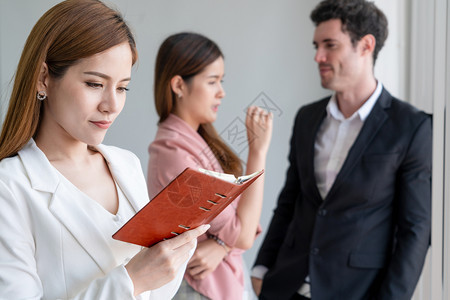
<point>322,212</point>
<point>315,251</point>
<point>117,218</point>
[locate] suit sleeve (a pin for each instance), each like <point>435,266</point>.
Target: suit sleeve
<point>284,210</point>
<point>413,217</point>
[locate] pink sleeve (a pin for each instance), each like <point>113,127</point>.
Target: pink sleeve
<point>226,226</point>
<point>168,158</point>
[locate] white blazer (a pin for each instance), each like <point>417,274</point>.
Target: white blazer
<point>50,248</point>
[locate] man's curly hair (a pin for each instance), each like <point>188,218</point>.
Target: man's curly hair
<point>358,17</point>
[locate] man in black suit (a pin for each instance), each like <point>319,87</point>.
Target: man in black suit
<point>353,219</point>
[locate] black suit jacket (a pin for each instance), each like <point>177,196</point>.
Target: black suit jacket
<point>368,238</point>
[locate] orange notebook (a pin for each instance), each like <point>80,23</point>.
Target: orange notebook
<point>193,198</point>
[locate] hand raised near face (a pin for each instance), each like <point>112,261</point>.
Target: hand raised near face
<point>259,129</point>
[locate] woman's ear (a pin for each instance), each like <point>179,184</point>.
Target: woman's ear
<point>43,78</point>
<point>178,86</point>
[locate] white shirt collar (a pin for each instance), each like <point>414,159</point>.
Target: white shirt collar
<point>363,111</point>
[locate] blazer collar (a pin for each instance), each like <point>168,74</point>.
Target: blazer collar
<point>43,176</point>
<point>64,203</point>
<point>191,138</point>
<point>175,123</point>
<point>315,119</point>
<point>363,112</point>
<point>372,124</point>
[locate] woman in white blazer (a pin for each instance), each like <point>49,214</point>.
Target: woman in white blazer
<point>62,193</point>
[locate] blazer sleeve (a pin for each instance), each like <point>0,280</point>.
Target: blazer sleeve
<point>17,264</point>
<point>284,211</point>
<point>19,277</point>
<point>413,217</point>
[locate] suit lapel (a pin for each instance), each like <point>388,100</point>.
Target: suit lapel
<point>65,205</point>
<point>310,133</point>
<point>372,124</point>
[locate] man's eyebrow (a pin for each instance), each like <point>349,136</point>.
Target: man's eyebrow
<point>325,41</point>
<point>104,75</point>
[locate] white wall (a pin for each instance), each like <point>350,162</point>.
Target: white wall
<point>393,64</point>
<point>268,49</point>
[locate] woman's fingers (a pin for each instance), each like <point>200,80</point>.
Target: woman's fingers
<point>186,237</point>
<point>258,116</point>
<point>193,271</point>
<point>155,266</point>
<point>259,128</point>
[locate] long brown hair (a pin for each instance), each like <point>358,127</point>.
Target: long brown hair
<point>187,54</point>
<point>69,31</point>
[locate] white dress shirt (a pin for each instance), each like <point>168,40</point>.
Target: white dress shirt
<point>334,139</point>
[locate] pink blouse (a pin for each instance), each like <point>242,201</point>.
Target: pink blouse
<point>177,146</point>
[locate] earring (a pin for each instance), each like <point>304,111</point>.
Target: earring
<point>179,95</point>
<point>41,95</point>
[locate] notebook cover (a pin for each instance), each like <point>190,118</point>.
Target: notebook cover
<point>193,198</point>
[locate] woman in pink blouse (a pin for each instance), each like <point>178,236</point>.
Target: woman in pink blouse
<point>188,92</point>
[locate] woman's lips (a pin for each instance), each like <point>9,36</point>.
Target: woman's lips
<point>102,124</point>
